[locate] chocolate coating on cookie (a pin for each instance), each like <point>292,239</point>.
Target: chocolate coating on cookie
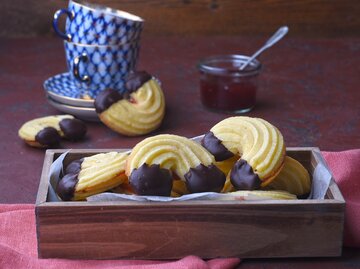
<point>215,147</point>
<point>48,136</point>
<point>205,178</point>
<point>105,99</point>
<point>303,196</point>
<point>242,176</point>
<point>73,129</point>
<point>136,79</point>
<point>74,167</point>
<point>66,186</point>
<point>151,180</point>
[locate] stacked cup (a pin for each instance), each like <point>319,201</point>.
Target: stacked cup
<point>101,46</point>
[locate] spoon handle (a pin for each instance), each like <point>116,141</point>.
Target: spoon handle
<point>279,34</point>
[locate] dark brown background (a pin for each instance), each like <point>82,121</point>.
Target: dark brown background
<point>306,18</point>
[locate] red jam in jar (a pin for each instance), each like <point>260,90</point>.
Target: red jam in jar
<point>224,87</point>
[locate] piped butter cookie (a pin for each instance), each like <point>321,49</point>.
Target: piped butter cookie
<point>259,195</point>
<point>293,178</point>
<point>140,110</point>
<point>48,131</point>
<point>259,144</point>
<point>92,175</point>
<point>156,161</point>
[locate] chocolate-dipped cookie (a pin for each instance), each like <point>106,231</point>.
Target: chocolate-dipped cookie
<point>259,145</point>
<point>92,175</point>
<point>156,161</point>
<point>138,111</point>
<point>48,131</point>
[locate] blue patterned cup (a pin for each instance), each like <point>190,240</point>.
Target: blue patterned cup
<point>98,25</point>
<point>95,68</point>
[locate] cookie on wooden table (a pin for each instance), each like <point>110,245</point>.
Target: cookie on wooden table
<point>48,131</point>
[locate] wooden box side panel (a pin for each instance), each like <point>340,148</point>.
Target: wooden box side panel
<point>171,232</point>
<point>310,157</point>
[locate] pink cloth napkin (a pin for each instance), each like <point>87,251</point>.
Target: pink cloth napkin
<point>18,235</point>
<point>345,167</point>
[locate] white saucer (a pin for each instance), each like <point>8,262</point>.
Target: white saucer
<point>83,113</point>
<point>61,88</point>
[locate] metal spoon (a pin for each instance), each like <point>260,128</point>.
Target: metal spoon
<point>271,41</point>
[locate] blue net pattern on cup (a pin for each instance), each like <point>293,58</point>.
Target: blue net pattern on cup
<point>89,27</point>
<point>107,67</point>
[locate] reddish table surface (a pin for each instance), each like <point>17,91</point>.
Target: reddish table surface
<point>308,88</point>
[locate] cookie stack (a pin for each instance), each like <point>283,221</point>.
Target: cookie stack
<point>101,48</point>
<point>251,152</point>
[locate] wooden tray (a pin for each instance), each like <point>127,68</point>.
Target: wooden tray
<point>209,229</point>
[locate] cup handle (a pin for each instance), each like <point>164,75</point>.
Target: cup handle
<point>80,58</point>
<point>57,15</point>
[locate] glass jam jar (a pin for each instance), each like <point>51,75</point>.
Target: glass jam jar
<point>224,87</point>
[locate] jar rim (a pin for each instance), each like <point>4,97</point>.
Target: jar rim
<point>208,65</point>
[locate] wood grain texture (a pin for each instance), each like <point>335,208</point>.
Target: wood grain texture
<point>248,229</point>
<point>206,17</point>
<point>145,232</point>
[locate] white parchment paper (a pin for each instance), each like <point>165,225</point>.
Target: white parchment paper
<point>56,170</point>
<point>320,183</point>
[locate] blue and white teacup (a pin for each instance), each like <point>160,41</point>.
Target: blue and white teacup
<point>95,67</point>
<point>98,25</point>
